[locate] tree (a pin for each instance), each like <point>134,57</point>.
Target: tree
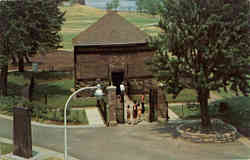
<point>113,5</point>
<point>7,31</point>
<point>38,25</point>
<point>28,27</point>
<point>149,6</point>
<point>205,46</point>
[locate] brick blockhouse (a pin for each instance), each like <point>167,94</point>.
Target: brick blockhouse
<point>113,51</point>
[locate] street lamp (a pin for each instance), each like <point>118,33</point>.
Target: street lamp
<point>122,89</point>
<point>98,94</point>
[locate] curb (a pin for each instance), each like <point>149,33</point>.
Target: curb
<point>42,153</point>
<point>57,126</point>
<point>244,141</point>
<point>210,138</point>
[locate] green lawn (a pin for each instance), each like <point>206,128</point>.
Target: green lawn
<point>5,148</point>
<point>237,114</point>
<point>184,112</point>
<point>239,111</point>
<point>79,18</point>
<point>187,95</point>
<point>56,86</point>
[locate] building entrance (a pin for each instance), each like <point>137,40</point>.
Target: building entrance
<point>117,79</point>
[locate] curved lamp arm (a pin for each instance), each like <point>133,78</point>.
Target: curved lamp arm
<point>65,117</point>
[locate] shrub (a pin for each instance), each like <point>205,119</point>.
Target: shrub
<point>74,116</point>
<point>83,117</point>
<point>7,103</point>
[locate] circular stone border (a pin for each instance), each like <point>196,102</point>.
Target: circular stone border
<point>209,138</point>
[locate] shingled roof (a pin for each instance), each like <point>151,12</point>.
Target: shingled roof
<point>111,29</point>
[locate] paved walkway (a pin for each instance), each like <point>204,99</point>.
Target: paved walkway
<point>38,153</point>
<point>156,141</point>
<point>94,117</point>
<point>172,115</point>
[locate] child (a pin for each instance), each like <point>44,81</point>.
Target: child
<point>142,104</point>
<point>139,112</point>
<point>135,113</point>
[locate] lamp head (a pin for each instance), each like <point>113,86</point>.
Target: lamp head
<point>98,92</point>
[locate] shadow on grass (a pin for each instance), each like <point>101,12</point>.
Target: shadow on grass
<point>39,90</point>
<point>168,129</point>
<point>43,76</point>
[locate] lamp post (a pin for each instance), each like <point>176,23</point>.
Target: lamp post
<point>98,94</point>
<point>122,88</point>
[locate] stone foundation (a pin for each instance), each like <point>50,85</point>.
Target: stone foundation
<point>210,138</point>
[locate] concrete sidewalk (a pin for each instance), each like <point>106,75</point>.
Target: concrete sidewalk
<point>172,115</point>
<point>39,153</point>
<point>94,117</point>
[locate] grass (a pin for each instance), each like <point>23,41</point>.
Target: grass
<point>228,94</point>
<point>187,95</point>
<point>5,148</point>
<point>58,93</point>
<point>75,117</point>
<point>56,85</point>
<point>53,85</point>
<point>184,112</point>
<point>78,18</point>
<point>238,113</point>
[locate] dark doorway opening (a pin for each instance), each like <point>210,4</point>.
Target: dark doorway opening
<point>117,79</point>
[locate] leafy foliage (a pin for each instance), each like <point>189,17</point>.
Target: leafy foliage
<point>41,111</point>
<point>113,5</point>
<point>28,27</point>
<point>7,103</point>
<point>149,6</point>
<point>205,45</point>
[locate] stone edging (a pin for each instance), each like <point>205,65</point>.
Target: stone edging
<point>210,138</point>
<point>53,125</point>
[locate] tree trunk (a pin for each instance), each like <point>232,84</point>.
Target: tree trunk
<point>203,95</point>
<point>14,61</point>
<point>3,80</point>
<point>27,58</point>
<point>83,2</point>
<point>20,63</point>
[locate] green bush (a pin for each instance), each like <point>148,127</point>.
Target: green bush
<point>7,103</point>
<point>40,111</point>
<point>74,116</point>
<point>238,112</point>
<point>83,117</point>
<point>6,148</point>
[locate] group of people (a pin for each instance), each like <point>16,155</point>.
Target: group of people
<point>138,110</point>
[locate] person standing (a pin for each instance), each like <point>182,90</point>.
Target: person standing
<point>135,113</point>
<point>142,105</point>
<point>128,115</point>
<point>139,112</point>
